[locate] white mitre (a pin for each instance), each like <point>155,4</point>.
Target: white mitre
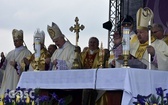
<point>54,31</point>
<point>17,34</point>
<point>39,34</point>
<point>143,16</point>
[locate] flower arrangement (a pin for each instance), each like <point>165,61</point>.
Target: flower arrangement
<point>22,96</point>
<point>160,99</point>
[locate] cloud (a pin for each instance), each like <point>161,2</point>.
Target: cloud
<point>29,15</point>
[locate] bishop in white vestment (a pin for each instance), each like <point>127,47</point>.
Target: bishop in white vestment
<point>12,64</point>
<point>63,57</point>
<point>139,44</point>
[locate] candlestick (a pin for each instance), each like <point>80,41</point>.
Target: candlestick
<point>126,45</point>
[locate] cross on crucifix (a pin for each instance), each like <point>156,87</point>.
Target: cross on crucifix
<point>77,29</point>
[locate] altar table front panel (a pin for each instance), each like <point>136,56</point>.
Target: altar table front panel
<point>58,79</point>
<point>132,81</point>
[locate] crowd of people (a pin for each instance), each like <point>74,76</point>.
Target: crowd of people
<point>61,55</point>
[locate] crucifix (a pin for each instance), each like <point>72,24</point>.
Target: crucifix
<point>77,61</point>
<point>77,29</point>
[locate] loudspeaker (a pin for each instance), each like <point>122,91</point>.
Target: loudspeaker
<point>107,25</point>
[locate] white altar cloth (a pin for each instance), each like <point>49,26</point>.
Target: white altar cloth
<point>131,81</point>
<point>58,79</point>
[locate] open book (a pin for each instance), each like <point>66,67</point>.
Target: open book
<point>133,62</point>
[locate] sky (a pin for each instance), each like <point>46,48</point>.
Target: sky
<point>30,15</point>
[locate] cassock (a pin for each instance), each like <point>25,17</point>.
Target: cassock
<point>11,76</point>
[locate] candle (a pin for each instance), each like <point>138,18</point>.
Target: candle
<point>126,40</point>
<point>37,48</point>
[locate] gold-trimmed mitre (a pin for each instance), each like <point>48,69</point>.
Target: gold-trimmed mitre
<point>39,34</point>
<point>17,34</point>
<point>54,31</point>
<point>143,16</point>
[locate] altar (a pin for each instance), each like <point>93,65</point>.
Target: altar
<point>132,81</point>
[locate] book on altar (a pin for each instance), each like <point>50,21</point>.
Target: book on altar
<point>133,62</point>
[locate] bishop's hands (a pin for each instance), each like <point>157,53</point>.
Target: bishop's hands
<point>53,64</point>
<point>26,61</point>
<point>16,66</point>
<point>48,60</point>
<point>151,50</point>
<point>13,63</point>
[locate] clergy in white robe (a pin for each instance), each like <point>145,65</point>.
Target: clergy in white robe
<point>63,57</point>
<point>12,64</point>
<point>159,59</point>
<point>159,32</point>
<point>139,44</point>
